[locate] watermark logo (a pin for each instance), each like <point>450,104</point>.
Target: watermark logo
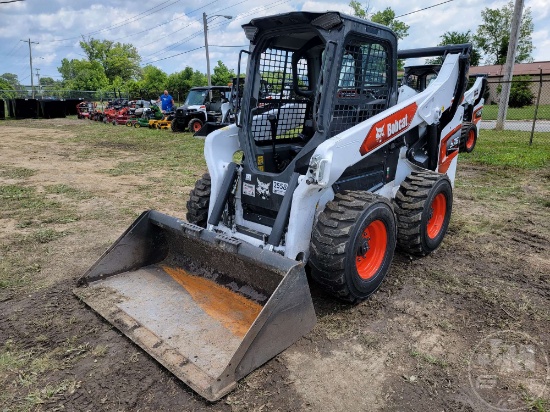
<point>507,370</point>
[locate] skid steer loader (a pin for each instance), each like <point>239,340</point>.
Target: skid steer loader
<point>334,169</point>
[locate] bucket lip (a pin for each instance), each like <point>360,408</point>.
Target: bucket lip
<point>212,237</point>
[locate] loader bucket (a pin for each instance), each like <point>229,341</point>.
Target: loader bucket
<point>208,128</point>
<point>208,307</point>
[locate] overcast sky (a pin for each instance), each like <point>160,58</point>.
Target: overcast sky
<point>160,29</point>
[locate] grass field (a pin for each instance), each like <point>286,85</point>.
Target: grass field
<point>490,112</point>
<point>510,149</point>
<point>69,188</point>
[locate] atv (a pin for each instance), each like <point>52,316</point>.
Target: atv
<point>203,104</point>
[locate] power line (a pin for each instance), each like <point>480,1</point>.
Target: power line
<point>179,54</point>
<point>10,1</point>
<point>211,45</point>
<point>222,23</point>
<point>425,8</point>
<point>166,22</point>
<point>125,22</point>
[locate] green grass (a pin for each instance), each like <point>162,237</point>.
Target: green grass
<point>71,192</point>
<point>23,201</point>
<point>510,149</point>
<point>16,172</point>
<point>490,112</point>
<point>21,370</point>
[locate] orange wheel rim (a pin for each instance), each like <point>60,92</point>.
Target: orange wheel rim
<point>371,251</point>
<point>196,126</point>
<point>438,210</point>
<point>471,139</point>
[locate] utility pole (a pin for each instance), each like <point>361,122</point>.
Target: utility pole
<point>30,60</point>
<point>206,47</point>
<point>205,23</point>
<point>509,66</point>
<point>38,78</point>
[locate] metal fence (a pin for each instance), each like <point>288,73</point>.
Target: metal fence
<point>528,107</point>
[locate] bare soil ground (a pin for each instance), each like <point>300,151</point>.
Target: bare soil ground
<point>68,188</point>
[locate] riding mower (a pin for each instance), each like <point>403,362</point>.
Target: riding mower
<point>149,116</point>
<point>84,110</point>
<point>166,122</point>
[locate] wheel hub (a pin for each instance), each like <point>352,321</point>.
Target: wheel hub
<point>363,247</point>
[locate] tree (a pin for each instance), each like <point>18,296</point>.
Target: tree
<point>153,81</point>
<point>493,35</point>
<point>47,81</point>
<point>6,90</point>
<point>455,37</point>
<point>358,9</point>
<point>184,80</point>
<point>222,75</point>
<point>12,80</point>
<point>520,92</point>
<point>385,17</point>
<point>117,59</point>
<point>83,75</point>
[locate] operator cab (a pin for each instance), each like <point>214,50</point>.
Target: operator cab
<point>311,76</point>
<point>290,57</point>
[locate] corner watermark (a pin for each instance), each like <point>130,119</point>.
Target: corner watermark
<point>507,369</point>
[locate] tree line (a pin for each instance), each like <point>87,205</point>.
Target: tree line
<point>112,66</point>
<point>490,41</point>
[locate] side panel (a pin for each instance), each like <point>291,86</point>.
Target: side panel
<point>219,148</point>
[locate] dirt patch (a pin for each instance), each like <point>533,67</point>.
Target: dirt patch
<point>406,348</point>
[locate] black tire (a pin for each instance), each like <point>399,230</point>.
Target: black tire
<point>199,200</point>
<point>340,245</point>
<point>419,231</point>
<point>137,125</point>
<point>194,125</point>
<point>468,138</point>
<point>174,126</point>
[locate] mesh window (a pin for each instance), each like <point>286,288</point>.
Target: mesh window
<point>277,98</point>
<point>363,85</point>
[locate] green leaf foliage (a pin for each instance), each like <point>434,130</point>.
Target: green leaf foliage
<point>386,17</point>
<point>455,37</point>
<point>117,59</point>
<point>222,75</point>
<point>493,35</point>
<point>181,82</point>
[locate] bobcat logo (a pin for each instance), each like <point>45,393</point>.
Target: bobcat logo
<point>263,190</point>
<point>379,134</point>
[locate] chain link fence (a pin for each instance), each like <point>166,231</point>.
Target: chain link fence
<point>528,106</point>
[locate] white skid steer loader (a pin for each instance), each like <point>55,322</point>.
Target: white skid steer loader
<point>336,168</point>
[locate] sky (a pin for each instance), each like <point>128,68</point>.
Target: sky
<point>169,33</point>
